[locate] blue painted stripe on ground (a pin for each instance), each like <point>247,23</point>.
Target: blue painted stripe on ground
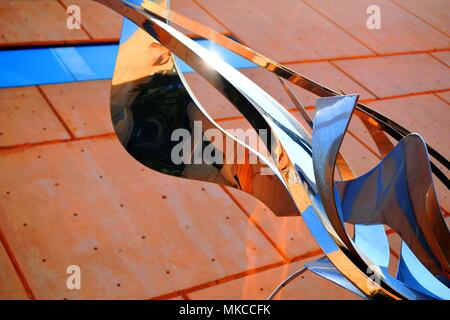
<point>37,66</point>
<point>30,67</point>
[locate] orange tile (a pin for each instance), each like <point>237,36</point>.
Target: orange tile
<point>100,22</point>
<point>285,30</point>
<point>398,75</point>
<point>25,22</point>
<point>400,31</point>
<point>27,118</point>
<point>83,106</point>
<point>358,131</point>
<point>133,232</point>
<point>10,285</point>
<point>443,56</point>
<point>191,10</point>
<point>433,12</point>
<point>260,285</point>
<point>358,157</point>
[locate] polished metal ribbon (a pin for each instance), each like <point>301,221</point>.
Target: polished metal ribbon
<point>150,100</point>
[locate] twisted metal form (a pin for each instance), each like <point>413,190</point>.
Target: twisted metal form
<point>150,100</point>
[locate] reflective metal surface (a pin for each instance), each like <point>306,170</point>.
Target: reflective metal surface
<point>153,109</point>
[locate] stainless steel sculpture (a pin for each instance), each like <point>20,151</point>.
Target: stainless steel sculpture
<point>150,100</point>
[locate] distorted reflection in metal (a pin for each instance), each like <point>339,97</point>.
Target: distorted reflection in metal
<point>150,100</point>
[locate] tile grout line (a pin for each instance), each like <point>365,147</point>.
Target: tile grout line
<point>360,57</point>
<point>353,79</point>
<point>339,27</point>
<point>185,296</point>
<point>236,276</point>
<point>55,112</point>
<point>440,98</point>
<point>218,281</point>
<point>263,232</point>
<point>418,18</point>
<point>364,144</point>
<point>231,33</point>
<point>406,95</point>
<point>209,13</point>
<point>438,59</point>
<point>16,266</point>
<point>26,146</point>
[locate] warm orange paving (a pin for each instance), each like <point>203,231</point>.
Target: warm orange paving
<point>71,195</point>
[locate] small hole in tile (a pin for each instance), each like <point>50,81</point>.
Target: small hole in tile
<point>118,284</point>
<point>82,150</point>
<point>39,156</point>
<point>292,239</point>
<point>8,193</point>
<point>213,260</point>
<point>164,197</point>
<point>143,237</point>
<point>203,189</point>
<point>25,225</point>
<point>56,184</point>
<point>101,177</point>
<point>44,260</point>
<point>95,248</point>
<point>167,272</point>
<point>261,289</point>
<point>1,133</point>
<point>227,217</point>
<point>254,249</point>
<point>121,205</point>
<point>75,214</point>
<point>44,129</point>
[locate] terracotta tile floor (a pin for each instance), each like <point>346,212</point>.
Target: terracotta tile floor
<point>69,193</point>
